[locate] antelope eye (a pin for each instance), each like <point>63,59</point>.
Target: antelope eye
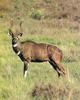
<point>20,34</point>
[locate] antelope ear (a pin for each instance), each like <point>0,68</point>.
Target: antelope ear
<point>10,32</point>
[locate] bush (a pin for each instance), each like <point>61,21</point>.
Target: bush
<point>54,92</point>
<point>37,14</point>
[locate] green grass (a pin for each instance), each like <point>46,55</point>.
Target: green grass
<point>55,26</point>
<point>40,76</point>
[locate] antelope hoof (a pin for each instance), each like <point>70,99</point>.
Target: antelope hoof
<point>61,73</point>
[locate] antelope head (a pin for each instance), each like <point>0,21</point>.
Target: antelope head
<point>15,34</point>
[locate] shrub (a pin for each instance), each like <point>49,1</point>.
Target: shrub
<point>37,14</point>
<point>53,92</point>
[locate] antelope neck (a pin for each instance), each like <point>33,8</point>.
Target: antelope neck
<point>15,46</point>
<point>14,42</point>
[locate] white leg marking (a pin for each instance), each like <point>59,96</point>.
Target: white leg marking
<point>28,64</point>
<point>25,74</point>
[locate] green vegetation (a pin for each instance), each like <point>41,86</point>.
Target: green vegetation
<point>37,14</point>
<point>58,26</point>
<point>42,82</point>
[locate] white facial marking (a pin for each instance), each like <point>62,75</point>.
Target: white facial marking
<point>8,34</point>
<point>25,74</point>
<point>15,45</point>
<point>18,53</point>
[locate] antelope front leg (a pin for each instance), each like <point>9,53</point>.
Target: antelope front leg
<point>25,68</point>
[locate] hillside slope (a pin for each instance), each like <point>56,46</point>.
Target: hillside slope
<point>49,21</point>
<point>57,13</point>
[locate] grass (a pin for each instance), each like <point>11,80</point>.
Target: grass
<point>58,26</point>
<point>42,80</point>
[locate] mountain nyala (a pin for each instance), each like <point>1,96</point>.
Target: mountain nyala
<point>30,51</point>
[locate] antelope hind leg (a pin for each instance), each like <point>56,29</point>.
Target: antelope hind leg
<point>59,68</point>
<point>55,67</point>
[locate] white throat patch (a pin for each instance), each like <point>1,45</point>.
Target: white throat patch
<point>15,45</point>
<point>18,53</point>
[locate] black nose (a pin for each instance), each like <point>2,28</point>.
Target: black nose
<point>21,34</point>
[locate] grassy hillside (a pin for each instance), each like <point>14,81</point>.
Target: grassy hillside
<point>51,21</point>
<point>61,13</point>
